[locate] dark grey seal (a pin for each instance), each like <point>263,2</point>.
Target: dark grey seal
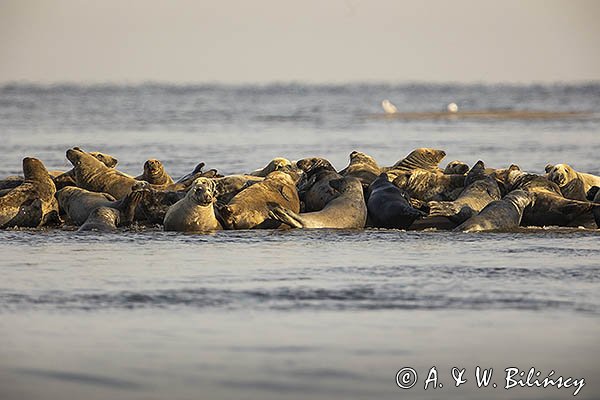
<point>389,207</point>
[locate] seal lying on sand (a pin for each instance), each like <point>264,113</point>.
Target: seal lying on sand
<point>68,178</point>
<point>480,190</point>
<point>79,203</point>
<point>154,204</point>
<point>363,167</point>
<point>562,174</point>
<point>31,204</point>
<point>249,208</point>
<point>315,191</point>
<point>227,187</point>
<point>502,214</point>
<point>103,219</point>
<point>346,211</point>
<point>92,174</point>
<point>429,186</point>
<point>155,174</point>
<point>549,207</point>
<point>389,206</point>
<point>277,164</point>
<point>195,212</point>
<point>422,158</point>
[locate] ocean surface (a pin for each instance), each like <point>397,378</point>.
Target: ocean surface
<point>316,314</point>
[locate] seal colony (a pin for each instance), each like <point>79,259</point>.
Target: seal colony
<point>414,193</point>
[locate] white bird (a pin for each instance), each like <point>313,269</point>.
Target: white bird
<point>452,107</point>
<point>388,107</point>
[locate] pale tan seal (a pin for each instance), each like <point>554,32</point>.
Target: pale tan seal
<point>346,211</point>
<point>195,212</point>
<point>31,204</point>
<point>276,164</point>
<point>562,174</point>
<point>249,208</point>
<point>92,174</point>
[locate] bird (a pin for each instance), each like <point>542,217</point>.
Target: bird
<point>388,107</point>
<point>452,107</point>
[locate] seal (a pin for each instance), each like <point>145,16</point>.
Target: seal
<point>549,207</point>
<point>429,186</point>
<point>68,178</point>
<point>195,212</point>
<point>77,204</point>
<point>314,189</point>
<point>594,196</point>
<point>103,219</point>
<point>346,211</point>
<point>456,167</point>
<point>424,158</point>
<point>155,174</point>
<point>363,167</point>
<point>480,190</point>
<point>562,174</point>
<point>504,214</point>
<point>250,207</point>
<point>92,174</point>
<point>31,204</point>
<point>276,164</point>
<point>154,204</point>
<point>389,206</point>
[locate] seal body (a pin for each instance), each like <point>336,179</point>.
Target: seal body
<point>195,212</point>
<point>32,203</point>
<point>92,174</point>
<point>249,208</point>
<point>429,186</point>
<point>346,211</point>
<point>79,203</point>
<point>480,190</point>
<point>68,178</point>
<point>423,158</point>
<point>103,219</point>
<point>504,214</point>
<point>389,206</point>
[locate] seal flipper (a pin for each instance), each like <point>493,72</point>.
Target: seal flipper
<point>280,214</point>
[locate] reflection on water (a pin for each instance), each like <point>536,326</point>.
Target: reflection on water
<point>297,314</point>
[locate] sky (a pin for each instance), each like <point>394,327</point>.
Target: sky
<point>320,41</point>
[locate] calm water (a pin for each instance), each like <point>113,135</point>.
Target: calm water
<point>298,314</point>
